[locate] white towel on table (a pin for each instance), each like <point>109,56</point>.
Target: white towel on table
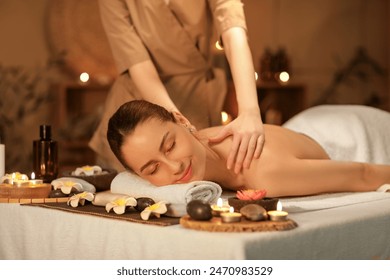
<point>177,195</point>
<point>333,200</point>
<point>347,132</point>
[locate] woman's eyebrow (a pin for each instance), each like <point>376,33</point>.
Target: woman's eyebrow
<point>160,149</point>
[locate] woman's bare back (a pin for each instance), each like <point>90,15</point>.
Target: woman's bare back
<point>281,145</point>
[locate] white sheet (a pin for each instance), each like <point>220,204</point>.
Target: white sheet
<point>330,200</point>
<point>356,231</point>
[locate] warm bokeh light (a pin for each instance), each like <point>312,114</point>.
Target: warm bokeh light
<point>225,117</point>
<point>84,77</point>
<point>218,46</point>
<point>284,77</point>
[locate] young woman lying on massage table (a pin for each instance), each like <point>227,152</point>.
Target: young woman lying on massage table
<point>161,148</point>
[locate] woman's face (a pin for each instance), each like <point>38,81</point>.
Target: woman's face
<point>164,153</point>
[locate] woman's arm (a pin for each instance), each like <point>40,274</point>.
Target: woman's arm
<point>247,128</point>
<point>149,85</point>
<point>298,177</point>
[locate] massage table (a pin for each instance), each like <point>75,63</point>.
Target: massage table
<point>359,230</point>
<point>334,226</point>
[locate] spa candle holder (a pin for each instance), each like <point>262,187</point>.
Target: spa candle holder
<point>219,208</point>
<point>15,179</point>
<point>278,215</point>
<point>33,181</point>
<point>231,216</point>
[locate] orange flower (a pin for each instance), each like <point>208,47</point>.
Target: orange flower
<point>251,194</point>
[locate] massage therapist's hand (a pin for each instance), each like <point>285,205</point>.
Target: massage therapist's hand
<point>248,140</point>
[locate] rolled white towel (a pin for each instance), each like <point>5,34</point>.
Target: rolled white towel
<point>131,184</point>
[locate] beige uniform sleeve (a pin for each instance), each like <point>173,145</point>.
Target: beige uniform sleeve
<point>227,14</point>
<point>127,47</point>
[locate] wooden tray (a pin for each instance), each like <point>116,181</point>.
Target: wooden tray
<point>215,225</point>
<point>39,191</point>
<point>34,200</point>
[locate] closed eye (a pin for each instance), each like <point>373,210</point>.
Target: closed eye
<point>154,170</point>
<point>171,147</point>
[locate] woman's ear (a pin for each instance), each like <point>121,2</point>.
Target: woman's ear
<point>180,119</point>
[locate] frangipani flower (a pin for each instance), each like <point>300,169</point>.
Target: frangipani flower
<point>66,186</point>
<point>251,194</point>
<point>156,209</point>
<point>16,176</point>
<point>88,170</point>
<point>80,198</point>
<point>119,205</point>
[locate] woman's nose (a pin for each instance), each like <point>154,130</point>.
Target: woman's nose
<point>176,166</point>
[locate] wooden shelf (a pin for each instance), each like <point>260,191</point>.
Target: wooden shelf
<point>78,111</point>
<point>279,102</point>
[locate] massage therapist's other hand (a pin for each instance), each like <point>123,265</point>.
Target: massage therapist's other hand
<point>248,140</point>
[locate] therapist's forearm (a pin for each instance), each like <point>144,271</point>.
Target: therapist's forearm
<point>241,64</point>
<point>148,83</point>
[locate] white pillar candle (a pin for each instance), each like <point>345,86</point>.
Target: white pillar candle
<point>2,160</point>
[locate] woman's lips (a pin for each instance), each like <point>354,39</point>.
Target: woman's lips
<point>186,176</point>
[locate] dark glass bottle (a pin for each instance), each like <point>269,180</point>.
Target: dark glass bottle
<point>45,155</point>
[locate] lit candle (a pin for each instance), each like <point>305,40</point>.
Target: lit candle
<point>19,180</point>
<point>278,215</point>
<point>34,181</point>
<point>231,216</point>
<point>217,209</point>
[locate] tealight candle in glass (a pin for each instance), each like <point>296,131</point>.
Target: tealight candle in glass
<point>231,216</point>
<point>33,181</point>
<point>19,180</point>
<point>278,215</point>
<point>219,208</point>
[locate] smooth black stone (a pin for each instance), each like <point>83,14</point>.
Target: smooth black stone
<point>199,210</point>
<point>143,202</point>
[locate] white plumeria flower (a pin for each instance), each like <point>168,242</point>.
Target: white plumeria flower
<point>156,209</point>
<point>80,198</point>
<point>88,170</point>
<point>119,205</point>
<point>66,186</point>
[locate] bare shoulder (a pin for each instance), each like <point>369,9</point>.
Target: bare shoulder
<point>210,131</point>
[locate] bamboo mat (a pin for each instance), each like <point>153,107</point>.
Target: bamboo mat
<point>99,211</point>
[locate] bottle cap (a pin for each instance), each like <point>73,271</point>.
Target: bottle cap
<point>45,132</point>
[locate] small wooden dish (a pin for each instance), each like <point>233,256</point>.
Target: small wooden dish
<point>268,203</point>
<point>216,225</point>
<point>37,191</point>
<point>102,182</point>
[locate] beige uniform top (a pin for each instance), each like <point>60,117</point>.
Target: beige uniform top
<point>175,35</point>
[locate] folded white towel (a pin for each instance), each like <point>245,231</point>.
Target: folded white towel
<point>333,200</point>
<point>347,132</point>
<point>177,195</point>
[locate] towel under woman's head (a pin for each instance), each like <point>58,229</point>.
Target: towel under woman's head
<point>177,195</point>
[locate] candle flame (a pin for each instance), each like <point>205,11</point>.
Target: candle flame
<point>279,206</point>
<point>32,175</point>
<point>231,209</point>
<point>219,202</point>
